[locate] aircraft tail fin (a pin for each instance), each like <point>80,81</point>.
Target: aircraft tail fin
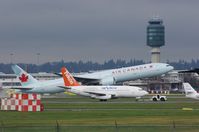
<point>68,78</point>
<point>23,76</point>
<point>188,89</point>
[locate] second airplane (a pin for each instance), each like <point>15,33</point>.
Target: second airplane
<point>102,93</point>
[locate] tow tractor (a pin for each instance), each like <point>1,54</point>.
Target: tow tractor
<point>159,98</point>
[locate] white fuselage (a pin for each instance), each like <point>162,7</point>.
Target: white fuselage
<point>113,76</point>
<point>107,92</point>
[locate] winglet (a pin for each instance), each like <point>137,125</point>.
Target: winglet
<point>68,78</point>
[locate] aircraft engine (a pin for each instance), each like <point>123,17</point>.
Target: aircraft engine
<point>102,97</point>
<point>108,81</point>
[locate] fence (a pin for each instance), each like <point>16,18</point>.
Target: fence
<point>101,128</point>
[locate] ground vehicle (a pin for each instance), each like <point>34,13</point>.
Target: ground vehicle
<point>159,98</point>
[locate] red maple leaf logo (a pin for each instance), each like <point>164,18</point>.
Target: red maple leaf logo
<point>23,78</point>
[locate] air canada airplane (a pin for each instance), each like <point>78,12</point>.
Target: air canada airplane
<point>114,76</point>
<point>103,93</point>
<point>190,92</point>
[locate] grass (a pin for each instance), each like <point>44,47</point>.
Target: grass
<point>94,116</point>
<point>128,117</point>
<point>150,106</point>
<point>104,129</point>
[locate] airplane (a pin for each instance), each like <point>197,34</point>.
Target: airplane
<point>31,85</point>
<point>115,76</point>
<point>190,92</point>
<point>106,77</point>
<point>103,93</point>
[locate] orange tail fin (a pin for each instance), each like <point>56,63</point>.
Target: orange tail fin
<point>68,78</point>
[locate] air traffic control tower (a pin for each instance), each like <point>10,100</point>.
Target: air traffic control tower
<point>155,38</point>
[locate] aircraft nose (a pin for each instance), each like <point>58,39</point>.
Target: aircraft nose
<point>171,67</point>
<point>145,93</point>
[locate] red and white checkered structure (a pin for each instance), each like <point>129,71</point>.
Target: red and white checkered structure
<point>9,104</point>
<point>22,102</point>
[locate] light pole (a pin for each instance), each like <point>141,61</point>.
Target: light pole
<point>38,54</point>
<point>11,54</point>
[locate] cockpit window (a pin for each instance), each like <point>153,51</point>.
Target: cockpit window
<point>167,65</point>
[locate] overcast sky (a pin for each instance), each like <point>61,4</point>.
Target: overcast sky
<point>95,30</point>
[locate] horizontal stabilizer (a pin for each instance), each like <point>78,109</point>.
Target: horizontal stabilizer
<point>58,74</point>
<point>21,88</point>
<point>64,87</point>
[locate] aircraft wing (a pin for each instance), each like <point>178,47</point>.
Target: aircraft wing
<point>99,95</point>
<point>96,93</point>
<point>21,88</point>
<point>84,80</point>
<point>196,70</point>
<point>87,81</point>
